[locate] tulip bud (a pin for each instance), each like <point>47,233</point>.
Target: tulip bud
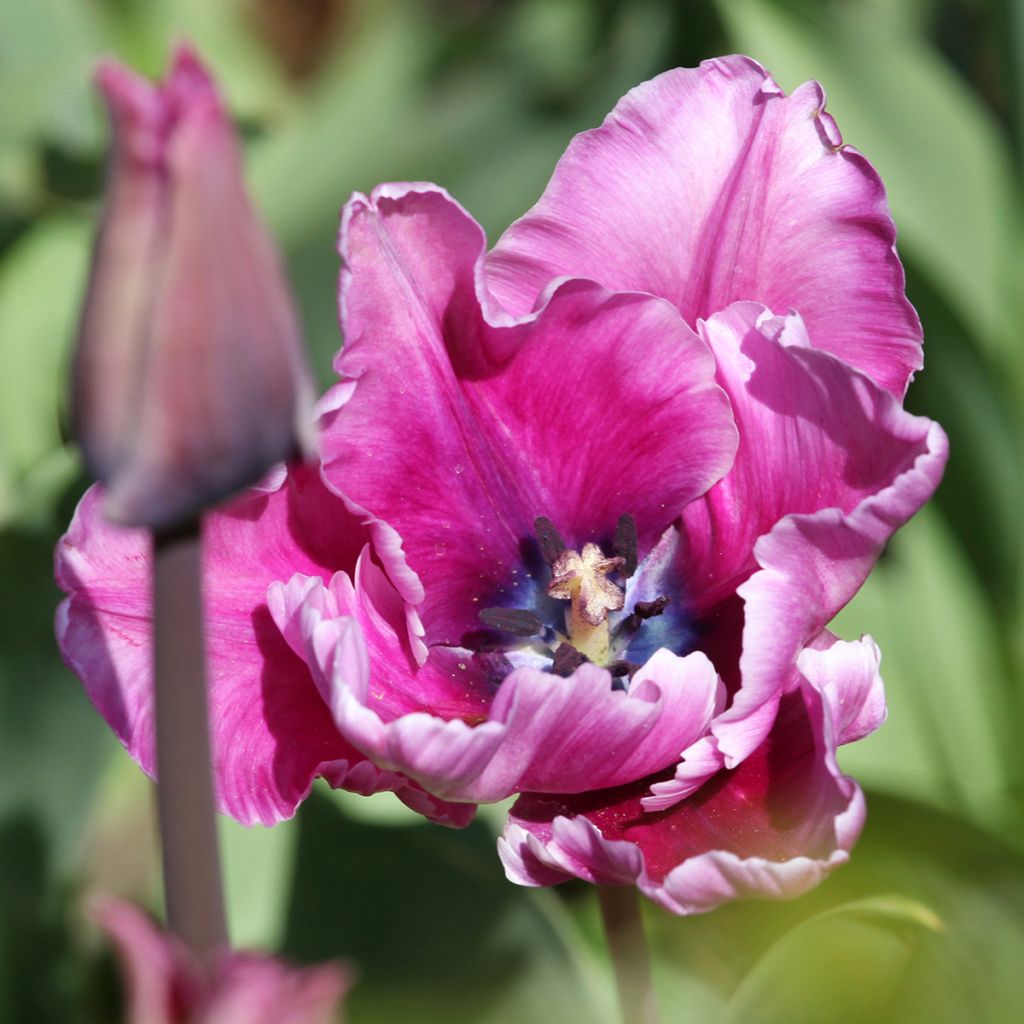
<point>166,984</point>
<point>189,378</point>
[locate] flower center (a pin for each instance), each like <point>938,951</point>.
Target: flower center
<point>581,578</point>
<point>592,631</point>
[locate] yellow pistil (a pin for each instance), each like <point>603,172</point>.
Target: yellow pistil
<point>582,579</point>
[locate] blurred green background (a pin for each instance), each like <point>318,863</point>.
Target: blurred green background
<point>927,922</point>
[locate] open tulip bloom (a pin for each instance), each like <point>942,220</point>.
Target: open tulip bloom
<point>585,507</point>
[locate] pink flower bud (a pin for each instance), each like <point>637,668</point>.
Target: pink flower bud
<point>165,984</point>
<point>189,378</point>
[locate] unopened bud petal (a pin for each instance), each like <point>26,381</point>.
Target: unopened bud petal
<point>190,379</point>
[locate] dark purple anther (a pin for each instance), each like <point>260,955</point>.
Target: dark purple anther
<point>517,621</point>
<point>549,539</point>
<point>625,544</point>
<point>567,659</point>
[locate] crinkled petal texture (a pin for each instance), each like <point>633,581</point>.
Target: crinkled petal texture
<point>708,186</point>
<point>165,983</point>
<point>271,732</point>
<point>772,827</point>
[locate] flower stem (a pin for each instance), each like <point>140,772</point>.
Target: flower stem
<point>627,946</point>
<point>188,830</point>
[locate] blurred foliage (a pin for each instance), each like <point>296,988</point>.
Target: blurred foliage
<point>927,921</point>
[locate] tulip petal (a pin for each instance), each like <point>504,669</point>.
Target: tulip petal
<point>707,186</point>
<point>814,435</point>
<point>261,695</point>
<point>770,828</point>
<point>540,731</point>
<point>462,427</point>
<point>829,467</point>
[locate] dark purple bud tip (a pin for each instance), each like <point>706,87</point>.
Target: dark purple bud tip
<point>567,659</point>
<point>549,539</point>
<point>625,544</point>
<point>650,609</point>
<point>517,621</point>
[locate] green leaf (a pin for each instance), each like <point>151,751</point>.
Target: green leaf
<point>843,965</point>
<point>878,954</point>
<point>42,280</point>
<point>47,49</point>
<point>53,745</point>
<point>949,738</point>
<point>434,930</point>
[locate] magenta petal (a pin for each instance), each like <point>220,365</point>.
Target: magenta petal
<point>261,695</point>
<point>541,732</point>
<point>814,434</point>
<point>457,427</point>
<point>829,467</point>
<point>707,186</point>
<point>837,468</point>
<point>771,828</point>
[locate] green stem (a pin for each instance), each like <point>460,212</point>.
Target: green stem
<point>627,946</point>
<point>188,829</point>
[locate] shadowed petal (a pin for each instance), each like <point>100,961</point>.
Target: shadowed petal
<point>707,186</point>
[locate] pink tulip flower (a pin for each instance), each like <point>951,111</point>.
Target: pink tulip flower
<point>166,984</point>
<point>586,507</point>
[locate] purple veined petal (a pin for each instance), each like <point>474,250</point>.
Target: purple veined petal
<point>708,186</point>
<point>539,732</point>
<point>463,425</point>
<point>771,828</point>
<point>261,695</point>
